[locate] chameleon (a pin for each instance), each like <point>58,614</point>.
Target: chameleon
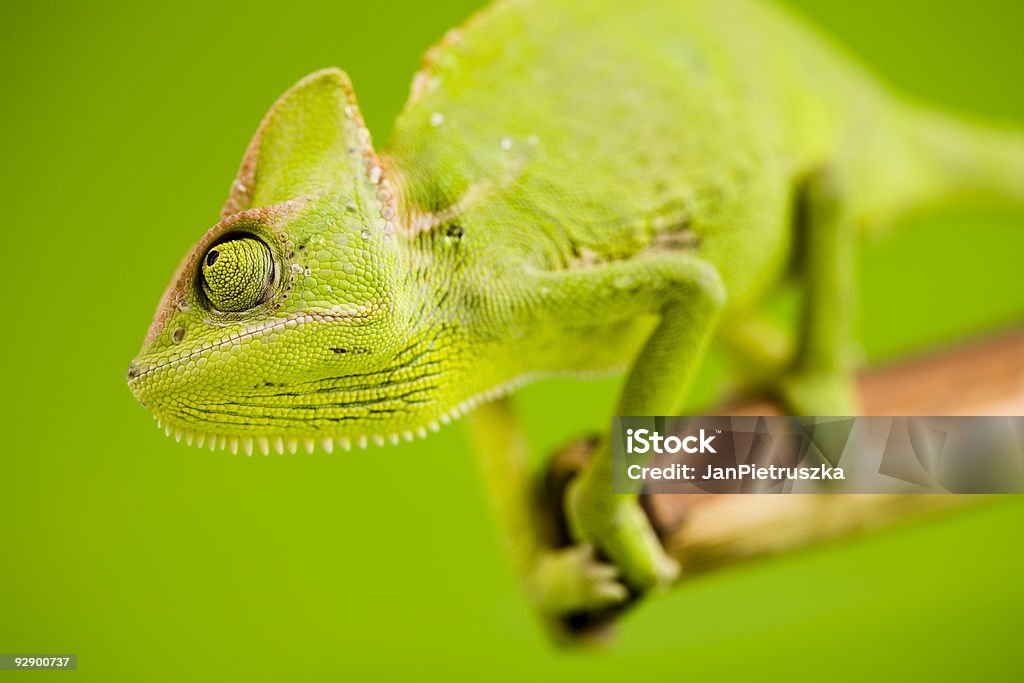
<point>571,188</point>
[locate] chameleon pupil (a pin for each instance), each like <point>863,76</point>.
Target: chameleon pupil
<point>211,258</point>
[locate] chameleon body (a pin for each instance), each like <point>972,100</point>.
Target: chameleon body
<point>571,187</point>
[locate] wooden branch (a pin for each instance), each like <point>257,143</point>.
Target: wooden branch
<point>708,531</point>
<point>981,378</point>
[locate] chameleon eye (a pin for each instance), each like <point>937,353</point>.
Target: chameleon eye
<point>237,274</point>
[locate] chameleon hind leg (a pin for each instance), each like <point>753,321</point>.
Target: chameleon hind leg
<point>687,294</point>
<point>821,381</point>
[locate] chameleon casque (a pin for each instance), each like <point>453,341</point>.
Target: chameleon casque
<point>571,187</point>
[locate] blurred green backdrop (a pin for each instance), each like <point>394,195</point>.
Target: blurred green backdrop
<point>123,125</point>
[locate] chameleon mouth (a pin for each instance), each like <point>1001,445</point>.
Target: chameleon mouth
<point>282,443</point>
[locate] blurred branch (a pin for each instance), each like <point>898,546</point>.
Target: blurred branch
<point>708,531</point>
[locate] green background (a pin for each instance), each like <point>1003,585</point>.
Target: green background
<point>122,127</point>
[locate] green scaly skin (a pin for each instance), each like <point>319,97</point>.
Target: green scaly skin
<point>571,187</point>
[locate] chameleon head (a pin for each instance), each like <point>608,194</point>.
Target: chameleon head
<point>286,324</point>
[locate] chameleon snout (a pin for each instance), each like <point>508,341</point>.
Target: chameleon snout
<point>134,372</point>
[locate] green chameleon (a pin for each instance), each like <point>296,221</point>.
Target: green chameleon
<point>572,187</point>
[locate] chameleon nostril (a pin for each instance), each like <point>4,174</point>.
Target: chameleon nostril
<point>133,371</point>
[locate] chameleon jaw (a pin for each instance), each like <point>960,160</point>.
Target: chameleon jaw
<point>291,444</point>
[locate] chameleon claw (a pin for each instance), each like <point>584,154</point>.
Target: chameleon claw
<point>572,580</point>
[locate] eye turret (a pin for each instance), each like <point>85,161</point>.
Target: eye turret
<point>237,274</point>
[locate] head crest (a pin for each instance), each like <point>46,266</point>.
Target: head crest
<point>312,139</point>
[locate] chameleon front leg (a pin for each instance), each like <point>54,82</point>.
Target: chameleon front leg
<point>821,381</point>
<point>558,581</point>
<point>687,294</point>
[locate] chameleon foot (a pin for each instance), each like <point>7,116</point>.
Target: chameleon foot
<point>572,580</point>
<point>623,533</point>
<point>809,393</point>
<point>617,526</point>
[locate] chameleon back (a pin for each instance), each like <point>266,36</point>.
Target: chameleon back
<point>576,133</point>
